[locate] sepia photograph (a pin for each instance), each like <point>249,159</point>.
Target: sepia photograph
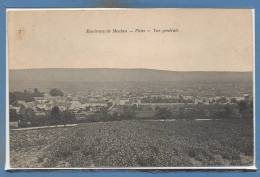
<point>130,89</point>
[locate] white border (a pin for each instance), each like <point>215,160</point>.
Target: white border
<point>7,147</point>
<point>7,157</point>
<point>254,113</point>
<point>252,168</point>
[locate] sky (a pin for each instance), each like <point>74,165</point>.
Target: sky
<point>204,39</point>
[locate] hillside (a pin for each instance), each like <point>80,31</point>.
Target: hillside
<point>123,75</point>
<point>80,80</point>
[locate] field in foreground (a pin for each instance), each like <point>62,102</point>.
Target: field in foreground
<point>135,143</point>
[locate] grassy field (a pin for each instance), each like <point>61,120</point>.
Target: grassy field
<point>135,143</point>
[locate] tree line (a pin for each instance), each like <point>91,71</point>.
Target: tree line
<point>29,96</point>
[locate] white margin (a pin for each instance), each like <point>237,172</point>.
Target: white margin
<point>7,137</point>
<point>144,168</point>
<point>114,9</point>
<point>253,57</point>
<point>7,146</point>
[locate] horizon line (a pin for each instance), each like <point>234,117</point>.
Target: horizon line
<point>137,69</point>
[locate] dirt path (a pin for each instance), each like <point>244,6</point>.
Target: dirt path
<point>43,127</point>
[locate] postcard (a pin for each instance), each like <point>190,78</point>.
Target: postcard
<point>130,89</point>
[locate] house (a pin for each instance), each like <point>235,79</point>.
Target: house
<point>198,101</point>
<point>239,98</point>
<point>123,101</point>
<point>93,104</point>
<point>39,99</point>
<point>22,103</point>
<point>62,108</point>
<point>76,105</point>
<point>13,124</point>
<point>43,106</point>
<point>40,113</point>
<point>16,108</point>
<point>115,111</point>
<point>136,102</point>
<point>205,100</point>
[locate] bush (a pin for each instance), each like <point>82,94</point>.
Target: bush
<point>56,92</point>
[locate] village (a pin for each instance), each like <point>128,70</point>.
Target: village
<point>85,107</point>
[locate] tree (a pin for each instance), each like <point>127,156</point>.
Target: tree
<point>134,107</point>
<point>222,100</point>
<point>56,92</point>
<point>25,96</point>
<point>12,98</point>
<point>27,115</point>
<point>109,104</point>
<point>13,115</point>
<point>56,115</point>
<point>36,90</point>
<point>37,93</point>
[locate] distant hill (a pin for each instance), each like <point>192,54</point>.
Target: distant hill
<point>77,79</point>
<point>125,75</point>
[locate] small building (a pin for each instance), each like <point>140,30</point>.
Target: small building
<point>13,124</point>
<point>123,101</point>
<point>40,113</point>
<point>16,108</point>
<point>76,105</point>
